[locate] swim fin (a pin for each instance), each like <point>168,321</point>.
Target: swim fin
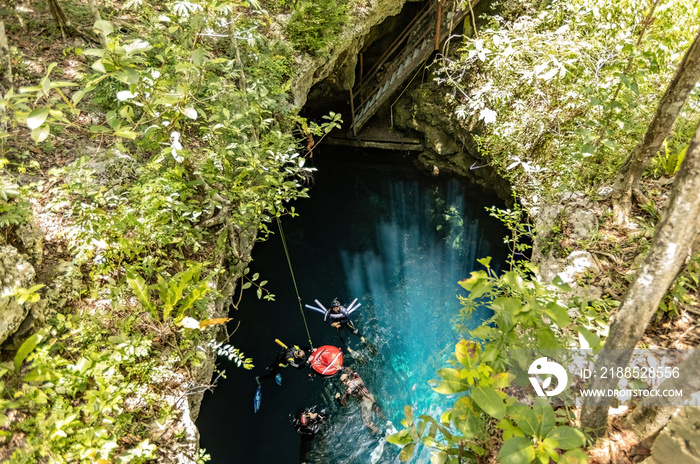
<point>359,358</point>
<point>377,453</point>
<point>278,379</point>
<point>371,348</point>
<point>257,399</point>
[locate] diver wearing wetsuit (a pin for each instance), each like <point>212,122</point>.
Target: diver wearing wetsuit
<point>356,387</point>
<point>295,356</point>
<point>308,424</point>
<point>338,318</point>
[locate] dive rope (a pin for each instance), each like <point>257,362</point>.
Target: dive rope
<point>289,261</point>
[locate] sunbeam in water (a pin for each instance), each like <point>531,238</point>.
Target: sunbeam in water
<point>398,242</point>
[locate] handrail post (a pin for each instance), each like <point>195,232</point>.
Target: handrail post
<point>362,65</point>
<point>352,111</point>
<point>437,27</point>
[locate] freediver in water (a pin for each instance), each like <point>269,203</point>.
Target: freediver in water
<point>308,424</point>
<point>339,318</point>
<point>355,387</point>
<point>295,356</point>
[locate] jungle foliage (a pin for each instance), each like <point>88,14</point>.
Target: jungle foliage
<point>526,315</point>
<point>570,87</point>
<point>191,100</point>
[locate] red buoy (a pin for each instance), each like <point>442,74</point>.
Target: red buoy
<point>326,360</point>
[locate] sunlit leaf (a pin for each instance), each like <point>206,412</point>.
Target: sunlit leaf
<point>407,452</point>
<point>517,450</point>
<point>465,419</point>
<point>26,348</point>
<point>37,117</point>
<point>489,401</point>
<point>545,416</point>
<point>567,437</point>
<point>104,26</point>
<point>574,456</point>
<point>558,314</point>
<point>525,418</point>
<point>41,133</point>
<point>560,284</point>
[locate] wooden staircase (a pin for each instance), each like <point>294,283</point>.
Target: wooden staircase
<point>424,35</point>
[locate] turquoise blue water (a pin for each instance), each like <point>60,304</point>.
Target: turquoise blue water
<point>378,231</point>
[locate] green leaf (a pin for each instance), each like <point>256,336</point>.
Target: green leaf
<point>558,314</point>
<point>517,450</point>
<point>77,96</point>
<point>99,66</point>
<point>476,285</point>
<point>127,134</point>
<point>408,412</point>
<point>465,420</point>
<point>104,26</point>
<point>40,133</point>
<point>439,458</point>
<point>195,295</point>
<point>37,117</point>
<point>546,339</point>
<point>452,383</point>
<point>400,438</point>
<point>514,280</point>
<point>508,304</point>
<point>560,284</point>
<point>26,348</point>
<point>509,429</point>
<point>588,149</point>
<point>467,353</point>
<point>525,418</point>
<point>484,261</point>
<point>567,437</point>
<point>407,452</point>
<point>489,401</point>
<point>574,456</point>
<point>591,339</point>
<point>547,450</point>
<point>140,289</point>
<point>545,416</point>
<point>483,332</point>
<point>199,56</point>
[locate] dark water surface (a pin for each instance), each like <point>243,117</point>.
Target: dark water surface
<point>377,230</point>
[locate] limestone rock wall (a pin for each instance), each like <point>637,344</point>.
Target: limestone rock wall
<point>450,146</point>
<point>679,442</point>
<point>15,272</point>
<point>342,58</point>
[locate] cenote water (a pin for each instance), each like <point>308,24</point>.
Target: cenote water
<point>374,229</point>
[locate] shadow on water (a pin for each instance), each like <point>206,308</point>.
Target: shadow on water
<point>377,230</point>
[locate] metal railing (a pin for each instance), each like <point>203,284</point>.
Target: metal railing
<point>371,92</point>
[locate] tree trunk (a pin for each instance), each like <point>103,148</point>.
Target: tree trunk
<point>673,241</point>
<point>6,64</point>
<point>683,81</point>
<point>96,14</point>
<point>650,417</point>
<point>59,16</point>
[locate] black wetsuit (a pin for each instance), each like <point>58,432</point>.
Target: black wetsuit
<point>308,431</point>
<point>345,325</point>
<point>286,358</point>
